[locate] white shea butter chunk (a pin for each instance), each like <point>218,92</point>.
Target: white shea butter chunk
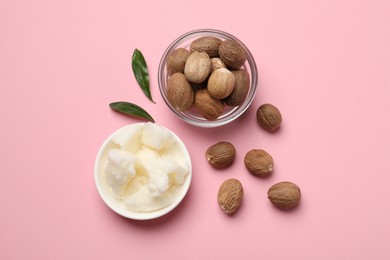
<point>146,172</point>
<point>120,169</point>
<point>156,137</point>
<point>174,168</point>
<point>178,175</point>
<point>144,201</point>
<point>129,140</point>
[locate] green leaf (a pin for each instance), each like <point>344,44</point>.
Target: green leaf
<point>140,70</point>
<point>131,109</point>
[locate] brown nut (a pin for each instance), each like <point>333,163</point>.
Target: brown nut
<point>221,154</point>
<point>197,86</point>
<point>230,195</point>
<point>232,54</point>
<point>197,67</point>
<point>179,92</point>
<point>221,83</point>
<point>209,44</point>
<point>259,162</point>
<point>207,106</point>
<point>284,195</point>
<point>241,88</point>
<point>177,60</point>
<point>216,63</point>
<point>269,117</point>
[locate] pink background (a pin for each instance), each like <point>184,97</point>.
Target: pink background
<point>325,64</point>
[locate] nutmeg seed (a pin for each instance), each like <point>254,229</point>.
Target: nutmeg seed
<point>230,195</point>
<point>221,83</point>
<point>269,117</point>
<point>284,195</point>
<point>208,44</point>
<point>221,154</point>
<point>197,67</point>
<point>177,60</point>
<point>216,63</point>
<point>232,54</point>
<point>259,162</point>
<point>240,90</point>
<point>179,92</point>
<point>207,106</point>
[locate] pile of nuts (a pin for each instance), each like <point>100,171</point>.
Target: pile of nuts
<point>210,75</point>
<point>284,195</point>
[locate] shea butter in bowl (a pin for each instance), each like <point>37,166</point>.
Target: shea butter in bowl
<point>143,171</point>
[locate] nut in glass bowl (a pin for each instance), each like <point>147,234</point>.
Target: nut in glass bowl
<point>207,77</point>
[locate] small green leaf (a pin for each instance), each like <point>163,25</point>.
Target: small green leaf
<point>140,70</point>
<point>131,109</point>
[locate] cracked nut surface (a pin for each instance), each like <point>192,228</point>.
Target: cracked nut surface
<point>221,154</point>
<point>230,195</point>
<point>284,195</point>
<point>259,162</point>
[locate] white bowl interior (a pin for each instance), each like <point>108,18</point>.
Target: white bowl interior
<point>108,195</point>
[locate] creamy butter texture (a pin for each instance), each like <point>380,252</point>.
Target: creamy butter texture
<point>145,168</point>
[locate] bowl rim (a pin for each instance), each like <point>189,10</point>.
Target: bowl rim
<point>236,111</point>
<point>118,207</point>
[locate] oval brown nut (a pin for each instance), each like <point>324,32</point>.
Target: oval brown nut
<point>179,92</point>
<point>269,117</point>
<point>209,44</point>
<point>177,60</point>
<point>241,88</point>
<point>216,63</point>
<point>232,54</point>
<point>221,154</point>
<point>221,83</point>
<point>197,67</point>
<point>230,195</point>
<point>284,195</point>
<point>259,162</point>
<point>207,106</point>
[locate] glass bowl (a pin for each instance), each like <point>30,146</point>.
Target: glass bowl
<point>191,116</point>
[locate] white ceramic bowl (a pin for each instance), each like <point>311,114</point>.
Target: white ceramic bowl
<point>108,195</point>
